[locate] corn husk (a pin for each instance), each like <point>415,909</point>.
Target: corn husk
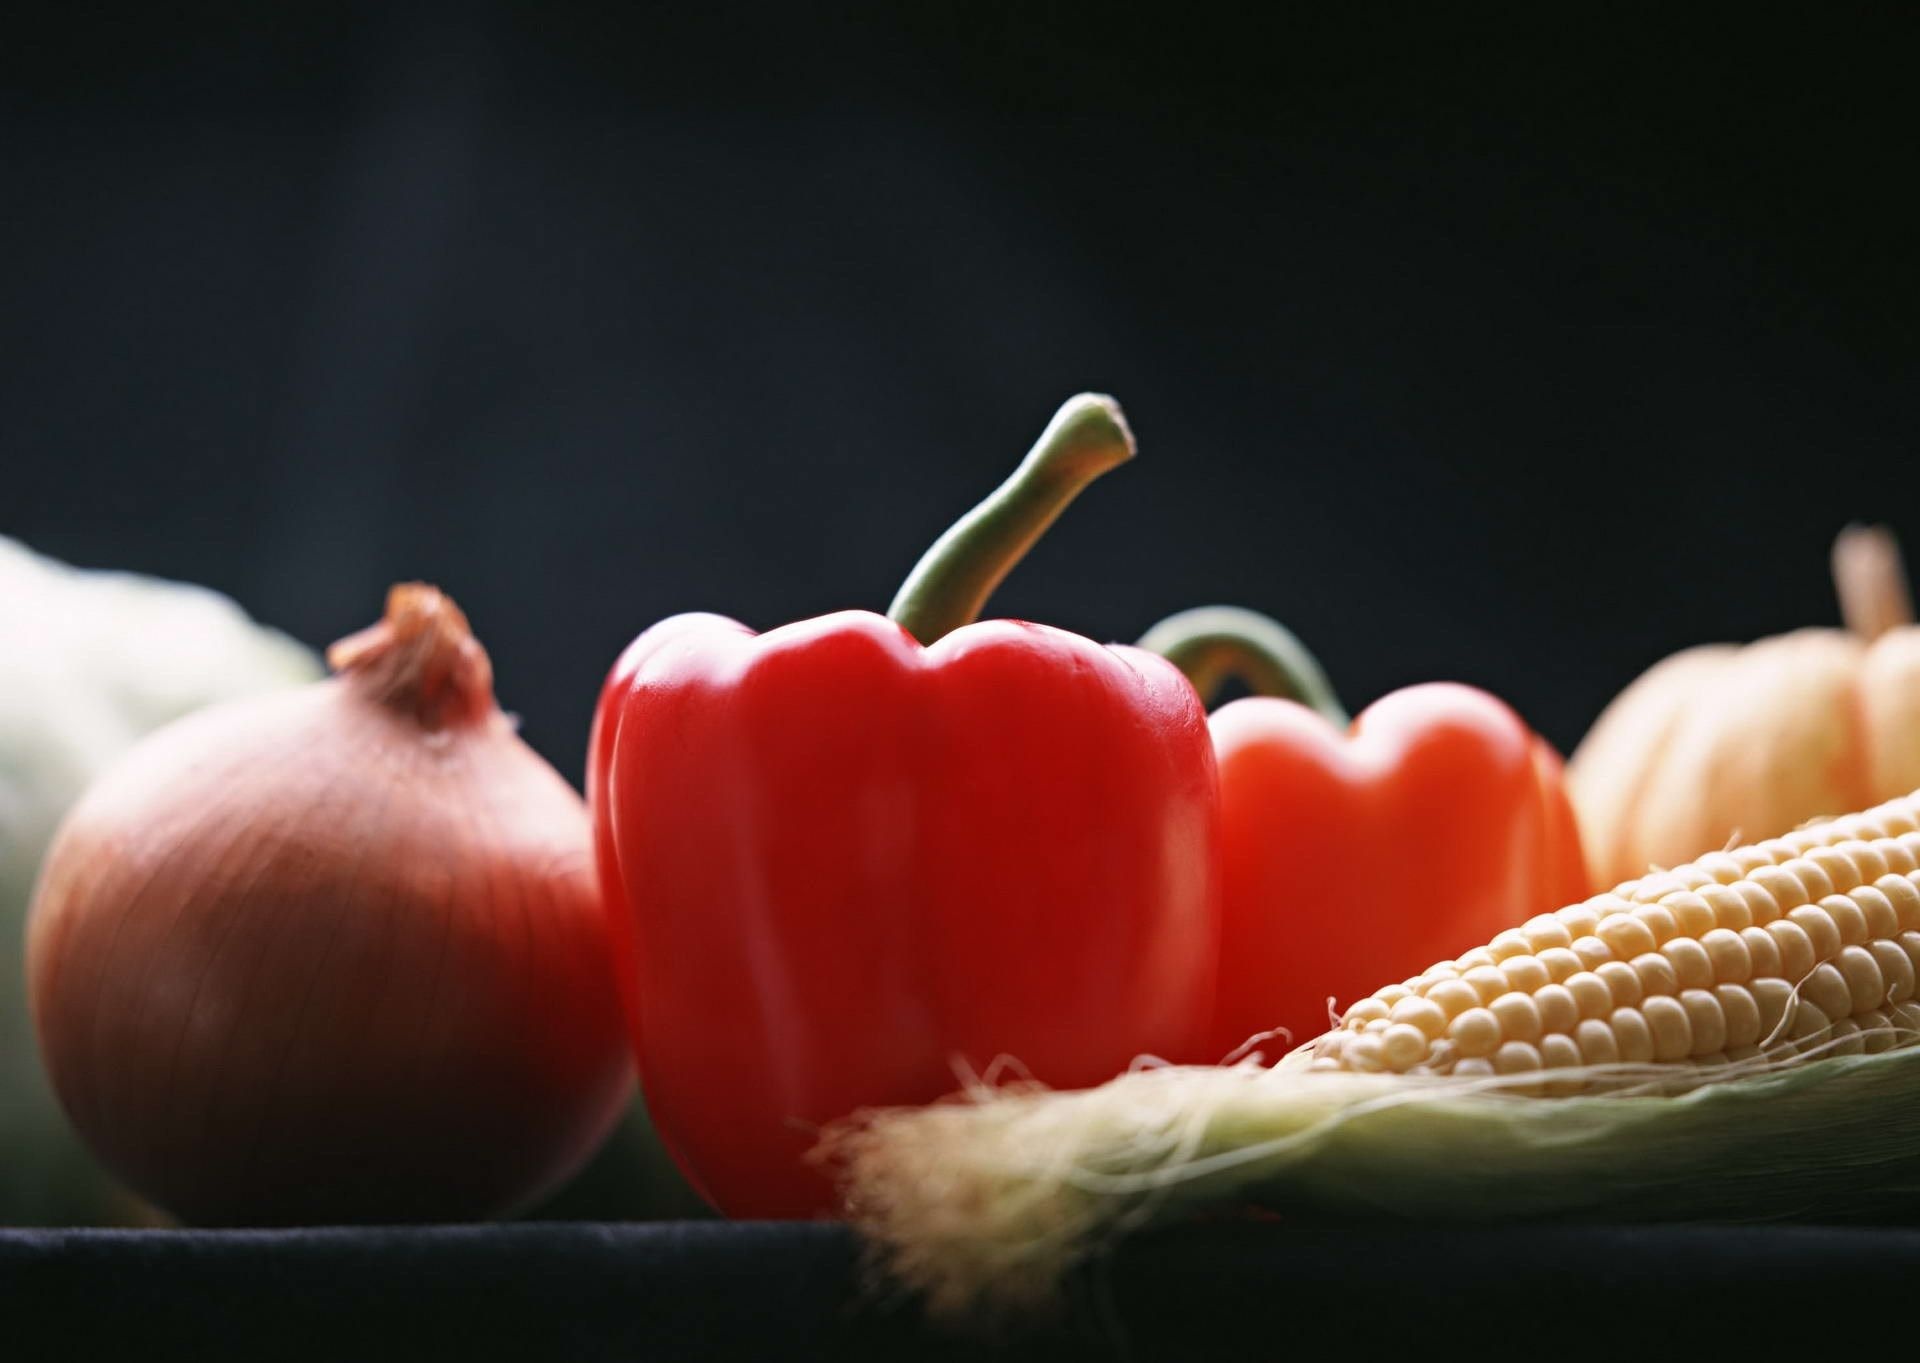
<point>984,1204</point>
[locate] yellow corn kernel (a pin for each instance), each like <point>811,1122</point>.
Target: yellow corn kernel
<point>1895,969</point>
<point>1545,932</point>
<point>1623,983</point>
<point>1474,1033</point>
<point>1626,936</point>
<point>1454,997</point>
<point>1849,858</point>
<point>1516,1057</point>
<point>1797,955</point>
<point>1826,989</point>
<point>1592,952</point>
<point>1706,1019</point>
<point>1561,964</point>
<point>1487,981</point>
<point>1656,974</point>
<point>1660,922</point>
<point>1518,1016</point>
<point>1810,1022</point>
<point>1779,885</point>
<point>1773,997</point>
<point>1764,953</point>
<point>1875,1030</point>
<point>1403,1046</point>
<point>1672,1032</point>
<point>1694,915</point>
<point>1632,1035</point>
<point>1902,857</point>
<point>1717,868</point>
<point>1429,1017</point>
<point>1560,1052</point>
<point>1508,944</point>
<point>1525,973</point>
<point>1592,997</point>
<point>1848,918</point>
<point>1865,984</point>
<point>1761,906</point>
<point>1730,908</point>
<point>1558,1010</point>
<point>1904,895</point>
<point>1845,1039</point>
<point>1363,1012</point>
<point>1362,1052</point>
<point>1877,911</point>
<point>1910,943</point>
<point>1820,928</point>
<point>1815,883</point>
<point>1656,885</point>
<point>1688,959</point>
<point>1582,919</point>
<point>1727,957</point>
<point>1741,1014</point>
<point>1596,1041</point>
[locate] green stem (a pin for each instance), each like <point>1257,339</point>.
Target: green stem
<point>1212,643</point>
<point>950,584</point>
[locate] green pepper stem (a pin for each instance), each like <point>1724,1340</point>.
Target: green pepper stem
<point>950,584</point>
<point>1212,643</point>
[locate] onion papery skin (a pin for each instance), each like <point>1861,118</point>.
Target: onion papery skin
<point>309,960</point>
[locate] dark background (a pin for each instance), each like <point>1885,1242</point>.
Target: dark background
<point>1517,347</point>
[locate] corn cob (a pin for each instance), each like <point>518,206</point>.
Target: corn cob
<point>1748,1059</point>
<point>1803,945</point>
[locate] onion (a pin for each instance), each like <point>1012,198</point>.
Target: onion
<point>335,954</point>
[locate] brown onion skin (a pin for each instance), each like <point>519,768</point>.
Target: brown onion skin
<point>332,956</point>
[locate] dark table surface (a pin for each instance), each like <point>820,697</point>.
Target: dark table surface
<point>641,1292</point>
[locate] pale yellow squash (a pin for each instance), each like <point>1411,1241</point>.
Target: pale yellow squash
<point>1721,743</point>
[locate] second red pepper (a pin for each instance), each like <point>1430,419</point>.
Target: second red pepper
<point>1352,856</point>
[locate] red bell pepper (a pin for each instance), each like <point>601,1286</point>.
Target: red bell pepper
<point>846,854</point>
<point>1355,857</point>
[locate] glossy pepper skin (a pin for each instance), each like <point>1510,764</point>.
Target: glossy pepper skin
<point>840,860</point>
<point>1352,855</point>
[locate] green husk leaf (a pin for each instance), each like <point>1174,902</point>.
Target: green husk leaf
<point>984,1203</point>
